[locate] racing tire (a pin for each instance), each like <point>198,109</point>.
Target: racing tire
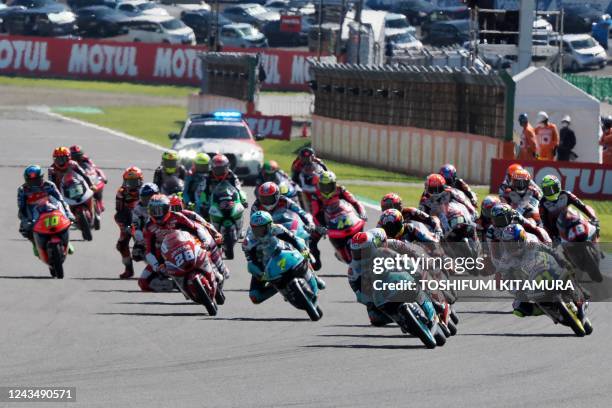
<point>454,316</point>
<point>439,336</point>
<point>588,326</point>
<point>590,264</point>
<point>204,298</point>
<point>571,319</point>
<point>220,296</point>
<point>84,227</point>
<point>55,261</point>
<point>311,309</point>
<point>445,330</point>
<point>228,244</point>
<point>416,327</point>
<point>452,328</point>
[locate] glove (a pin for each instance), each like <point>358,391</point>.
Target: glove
<point>306,253</point>
<point>321,230</point>
<point>161,268</point>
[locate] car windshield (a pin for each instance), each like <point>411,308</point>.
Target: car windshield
<point>401,38</point>
<point>248,31</point>
<point>147,6</point>
<point>397,23</point>
<point>173,24</point>
<point>582,44</point>
<point>217,130</point>
<point>255,10</point>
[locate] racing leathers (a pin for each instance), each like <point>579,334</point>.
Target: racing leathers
<point>56,174</point>
<point>140,216</point>
<point>88,165</point>
<point>192,181</point>
<point>207,187</point>
<point>298,165</point>
<point>163,176</point>
<point>27,198</point>
<point>278,177</point>
<point>464,187</point>
<point>435,204</point>
<point>550,211</point>
<point>126,201</point>
<point>505,186</point>
<point>285,204</point>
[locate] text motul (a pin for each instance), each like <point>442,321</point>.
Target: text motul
<point>19,54</point>
<point>103,59</point>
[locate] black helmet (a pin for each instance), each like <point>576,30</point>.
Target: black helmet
<point>606,123</point>
<point>306,154</point>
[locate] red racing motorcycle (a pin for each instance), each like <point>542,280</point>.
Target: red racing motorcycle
<point>342,222</point>
<point>79,197</point>
<point>99,184</point>
<point>51,235</point>
<point>188,265</point>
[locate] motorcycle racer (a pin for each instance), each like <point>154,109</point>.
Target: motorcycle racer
<point>29,193</point>
<point>305,156</point>
<point>140,216</point>
<point>169,168</point>
<point>219,172</point>
<point>78,155</point>
<point>263,238</point>
<point>393,200</point>
<point>449,172</point>
<point>126,199</point>
<point>396,227</point>
<point>556,201</point>
<point>520,186</point>
<point>270,171</point>
<point>197,174</point>
<point>506,183</point>
<point>438,195</point>
<point>62,164</point>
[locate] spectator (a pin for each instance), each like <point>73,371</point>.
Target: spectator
<point>567,141</point>
<point>601,29</point>
<point>606,140</point>
<point>547,137</point>
<point>528,146</point>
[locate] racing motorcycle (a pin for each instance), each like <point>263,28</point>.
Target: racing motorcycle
<point>289,273</point>
<point>342,222</point>
<point>172,185</point>
<point>579,241</point>
<point>226,212</point>
<point>51,236</point>
<point>309,180</point>
<point>187,264</point>
<point>461,233</point>
<point>79,197</point>
<point>99,184</point>
<point>526,205</point>
<point>293,223</point>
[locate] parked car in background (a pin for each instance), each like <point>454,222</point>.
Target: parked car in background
<point>251,13</point>
<point>416,11</point>
<point>403,42</point>
<point>444,14</point>
<point>578,18</point>
<point>448,33</point>
<point>398,24</point>
<point>101,21</point>
<point>300,6</point>
<point>278,38</point>
<point>77,4</point>
<point>158,29</point>
<point>141,7</point>
<point>33,4</point>
<point>242,35</point>
<point>581,51</point>
<point>54,20</point>
<point>202,22</point>
<point>176,7</point>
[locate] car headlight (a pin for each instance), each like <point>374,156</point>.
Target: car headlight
<point>252,155</point>
<point>189,154</point>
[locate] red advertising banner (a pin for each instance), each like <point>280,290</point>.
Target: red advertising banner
<point>290,24</point>
<point>135,62</point>
<point>272,127</point>
<point>586,180</point>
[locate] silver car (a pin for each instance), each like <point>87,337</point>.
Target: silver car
<point>242,35</point>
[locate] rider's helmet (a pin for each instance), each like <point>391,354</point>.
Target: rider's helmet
<point>392,222</point>
<point>513,238</point>
<point>268,194</point>
<point>33,175</point>
<point>606,123</point>
<point>132,178</point>
<point>391,200</point>
<point>201,163</point>
<point>170,161</point>
<point>449,172</point>
<point>269,169</point>
<point>261,224</point>
<point>551,187</point>
<point>523,119</point>
<point>76,153</point>
<point>362,244</point>
<point>327,184</point>
<point>176,204</point>
<point>435,184</point>
<point>511,169</point>
<point>307,154</point>
<point>220,166</point>
<point>542,117</point>
<point>159,208</point>
<point>146,192</point>
<point>501,215</point>
<point>61,157</point>
<point>487,205</point>
<point>520,180</point>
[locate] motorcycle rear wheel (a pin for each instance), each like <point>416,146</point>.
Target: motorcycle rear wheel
<point>591,264</point>
<point>85,227</point>
<point>571,320</point>
<point>452,328</point>
<point>416,327</point>
<point>204,298</point>
<point>228,243</point>
<point>55,260</point>
<point>439,336</point>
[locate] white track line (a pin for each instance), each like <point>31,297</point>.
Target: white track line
<point>47,111</point>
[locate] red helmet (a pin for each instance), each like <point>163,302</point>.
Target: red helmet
<point>76,153</point>
<point>520,180</point>
<point>435,184</point>
<point>132,178</point>
<point>512,168</point>
<point>61,157</point>
<point>220,166</point>
<point>268,194</point>
<point>392,222</point>
<point>176,204</point>
<point>391,200</point>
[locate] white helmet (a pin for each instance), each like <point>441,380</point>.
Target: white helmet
<point>567,119</point>
<point>542,116</point>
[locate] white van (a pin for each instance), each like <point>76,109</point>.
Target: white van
<point>158,29</point>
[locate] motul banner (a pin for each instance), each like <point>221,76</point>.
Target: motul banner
<point>272,127</point>
<point>586,180</point>
<point>137,62</point>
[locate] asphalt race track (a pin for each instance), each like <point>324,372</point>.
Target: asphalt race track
<point>123,348</point>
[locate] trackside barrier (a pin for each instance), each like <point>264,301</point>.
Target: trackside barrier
<point>599,87</point>
<point>136,62</point>
<point>404,149</point>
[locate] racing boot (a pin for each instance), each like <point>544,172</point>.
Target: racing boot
<point>35,250</point>
<point>70,248</point>
<point>161,284</point>
<point>320,282</point>
<point>129,268</point>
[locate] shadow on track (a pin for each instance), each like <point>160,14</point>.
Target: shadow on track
<point>157,303</point>
<point>235,290</point>
<point>101,279</point>
<point>323,275</point>
<point>519,334</point>
<point>369,336</point>
<point>152,314</point>
<point>367,346</point>
<point>363,325</point>
<point>263,319</point>
<point>26,277</point>
<point>491,312</point>
<point>118,290</point>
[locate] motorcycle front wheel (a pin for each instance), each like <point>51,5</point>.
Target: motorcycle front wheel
<point>84,226</point>
<point>301,297</point>
<point>56,261</point>
<point>204,297</point>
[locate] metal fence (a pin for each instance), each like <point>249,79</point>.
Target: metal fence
<point>599,87</point>
<point>232,75</point>
<point>441,98</point>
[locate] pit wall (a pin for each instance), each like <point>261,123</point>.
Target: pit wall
<point>405,149</point>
